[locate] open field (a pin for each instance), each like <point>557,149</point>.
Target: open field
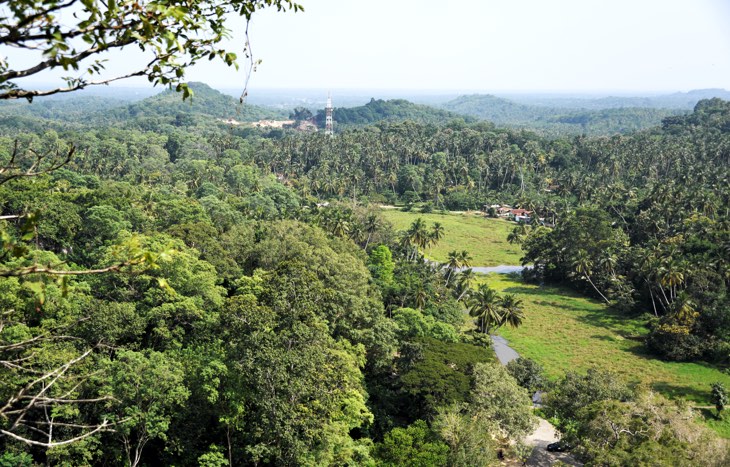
<point>485,239</point>
<point>564,331</point>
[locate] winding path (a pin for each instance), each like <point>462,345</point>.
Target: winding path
<point>545,433</point>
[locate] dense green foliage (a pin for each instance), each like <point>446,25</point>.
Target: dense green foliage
<point>390,110</point>
<point>168,301</point>
<point>186,296</point>
<point>630,228</point>
<point>612,425</point>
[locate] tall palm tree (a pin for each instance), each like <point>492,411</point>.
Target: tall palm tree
<point>420,298</point>
<point>518,234</point>
<point>484,306</point>
<point>452,264</point>
<point>512,313</point>
<point>406,243</point>
<point>466,278</point>
<point>418,235</point>
<point>340,226</point>
<point>608,262</point>
<point>372,223</point>
<point>465,259</point>
<point>437,233</point>
<point>672,276</point>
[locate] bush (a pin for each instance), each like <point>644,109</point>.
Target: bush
<point>461,201</point>
<point>410,197</point>
<point>576,391</point>
<point>674,344</point>
<point>528,373</point>
<point>414,445</point>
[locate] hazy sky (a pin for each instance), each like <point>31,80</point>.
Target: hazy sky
<point>499,45</point>
<point>483,45</point>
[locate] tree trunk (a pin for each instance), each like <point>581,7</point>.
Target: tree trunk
<point>608,302</point>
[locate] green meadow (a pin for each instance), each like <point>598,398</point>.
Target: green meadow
<point>484,238</point>
<point>565,331</point>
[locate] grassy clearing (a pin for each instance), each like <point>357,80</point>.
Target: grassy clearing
<point>485,239</point>
<point>564,331</point>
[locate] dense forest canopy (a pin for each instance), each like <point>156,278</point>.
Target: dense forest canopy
<point>190,280</point>
<point>256,309</point>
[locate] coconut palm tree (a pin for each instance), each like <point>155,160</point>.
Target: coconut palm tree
<point>466,278</point>
<point>518,234</point>
<point>418,233</point>
<point>452,264</point>
<point>420,298</point>
<point>671,276</point>
<point>437,233</point>
<point>465,259</point>
<point>372,223</point>
<point>484,306</point>
<point>512,313</point>
<point>406,244</point>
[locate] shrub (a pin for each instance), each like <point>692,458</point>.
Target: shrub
<point>528,373</point>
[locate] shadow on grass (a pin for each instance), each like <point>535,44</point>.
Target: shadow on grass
<point>515,276</point>
<point>604,338</point>
<point>605,319</point>
<point>682,392</point>
<point>709,414</point>
<point>564,306</point>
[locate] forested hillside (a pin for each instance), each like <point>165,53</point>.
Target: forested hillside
<point>559,117</point>
<point>166,105</point>
<point>678,100</point>
<point>176,290</point>
<point>190,280</point>
<point>205,101</point>
<point>390,110</point>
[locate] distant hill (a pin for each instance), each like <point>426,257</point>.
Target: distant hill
<point>395,109</point>
<point>677,100</point>
<point>495,109</point>
<point>68,109</point>
<point>205,101</point>
<point>559,120</point>
<point>168,105</point>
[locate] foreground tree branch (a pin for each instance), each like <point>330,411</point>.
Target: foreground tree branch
<point>176,34</point>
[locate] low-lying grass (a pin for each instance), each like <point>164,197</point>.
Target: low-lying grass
<point>484,238</point>
<point>564,331</point>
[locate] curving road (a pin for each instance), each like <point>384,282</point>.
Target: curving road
<point>545,433</point>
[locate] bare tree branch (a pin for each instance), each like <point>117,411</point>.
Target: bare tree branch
<point>13,171</point>
<point>102,427</point>
<point>35,269</point>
